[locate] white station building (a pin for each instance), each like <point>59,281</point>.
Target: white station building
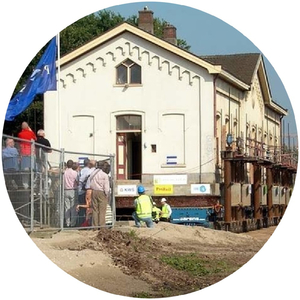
<point>164,112</point>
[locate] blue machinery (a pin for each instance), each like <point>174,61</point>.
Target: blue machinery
<point>192,216</point>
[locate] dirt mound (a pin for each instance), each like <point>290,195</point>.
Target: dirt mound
<point>141,257</point>
<point>168,260</point>
<point>175,259</point>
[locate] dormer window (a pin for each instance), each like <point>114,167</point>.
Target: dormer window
<point>128,72</point>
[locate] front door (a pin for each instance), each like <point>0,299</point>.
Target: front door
<point>129,156</point>
<point>121,156</point>
<point>129,149</point>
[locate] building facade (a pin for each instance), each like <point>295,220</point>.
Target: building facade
<point>168,115</point>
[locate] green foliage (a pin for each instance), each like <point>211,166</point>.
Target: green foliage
<point>142,295</point>
<point>194,265</point>
<point>86,29</point>
<point>183,45</point>
<point>189,263</point>
<point>72,37</point>
<point>132,234</point>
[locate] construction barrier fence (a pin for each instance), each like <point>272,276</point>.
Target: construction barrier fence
<point>34,179</point>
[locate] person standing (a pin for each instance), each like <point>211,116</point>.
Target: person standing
<point>86,206</point>
<point>98,183</point>
<point>10,156</point>
<point>70,194</point>
<point>83,177</point>
<point>26,133</point>
<point>143,209</point>
<point>10,162</point>
<point>43,141</point>
<point>166,211</point>
<point>25,151</point>
<point>42,148</point>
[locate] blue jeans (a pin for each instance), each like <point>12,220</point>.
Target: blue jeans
<point>148,221</point>
<point>82,211</point>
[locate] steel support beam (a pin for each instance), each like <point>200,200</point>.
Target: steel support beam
<point>227,186</point>
<point>270,194</point>
<point>257,194</point>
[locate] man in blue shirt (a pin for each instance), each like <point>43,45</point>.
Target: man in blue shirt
<point>83,176</point>
<point>10,162</point>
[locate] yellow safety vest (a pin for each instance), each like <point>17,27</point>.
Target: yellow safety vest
<point>144,207</point>
<point>165,211</point>
<point>155,213</point>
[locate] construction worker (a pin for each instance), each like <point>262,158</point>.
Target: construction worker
<point>166,211</point>
<point>218,209</point>
<point>143,209</point>
<point>155,213</point>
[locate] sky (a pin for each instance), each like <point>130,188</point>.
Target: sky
<point>26,26</point>
<point>209,35</point>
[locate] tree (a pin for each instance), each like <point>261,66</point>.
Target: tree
<point>86,29</point>
<point>72,37</point>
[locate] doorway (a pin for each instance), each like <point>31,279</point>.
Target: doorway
<point>129,156</point>
<point>129,147</point>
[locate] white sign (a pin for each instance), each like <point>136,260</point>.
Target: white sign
<point>200,189</point>
<point>169,179</point>
<point>128,190</point>
<point>171,160</point>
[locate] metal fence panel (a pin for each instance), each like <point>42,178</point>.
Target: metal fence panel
<point>84,214</point>
<point>35,184</point>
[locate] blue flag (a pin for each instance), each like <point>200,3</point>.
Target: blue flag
<point>42,79</point>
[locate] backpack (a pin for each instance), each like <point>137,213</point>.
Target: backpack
<point>83,186</point>
<point>86,179</point>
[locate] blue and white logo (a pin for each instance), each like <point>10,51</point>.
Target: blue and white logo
<point>200,189</point>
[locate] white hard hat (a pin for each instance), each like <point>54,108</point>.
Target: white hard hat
<point>163,200</point>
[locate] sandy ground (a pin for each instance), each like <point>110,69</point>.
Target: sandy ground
<point>132,257</point>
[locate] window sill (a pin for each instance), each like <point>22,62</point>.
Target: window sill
<point>127,85</point>
<point>173,166</point>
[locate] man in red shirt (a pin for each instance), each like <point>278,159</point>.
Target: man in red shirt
<point>26,134</point>
<point>25,150</point>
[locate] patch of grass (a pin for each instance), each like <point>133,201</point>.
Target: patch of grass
<point>132,234</point>
<point>189,263</point>
<point>195,265</point>
<point>142,295</point>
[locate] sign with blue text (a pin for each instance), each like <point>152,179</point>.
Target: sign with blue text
<point>127,190</point>
<point>200,189</point>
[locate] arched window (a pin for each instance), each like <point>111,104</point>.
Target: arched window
<point>128,72</point>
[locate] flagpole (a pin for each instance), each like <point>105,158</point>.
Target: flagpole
<point>58,91</point>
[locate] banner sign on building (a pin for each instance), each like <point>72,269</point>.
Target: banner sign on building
<point>200,189</point>
<point>166,189</point>
<point>170,179</point>
<point>128,190</point>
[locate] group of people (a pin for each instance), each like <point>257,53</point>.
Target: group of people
<point>147,211</point>
<point>20,159</point>
<point>86,190</point>
<point>86,193</point>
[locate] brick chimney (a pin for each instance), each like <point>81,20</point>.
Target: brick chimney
<point>169,34</point>
<point>146,20</point>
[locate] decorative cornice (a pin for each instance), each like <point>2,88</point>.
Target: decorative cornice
<point>125,27</point>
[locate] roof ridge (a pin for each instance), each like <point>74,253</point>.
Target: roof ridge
<point>231,54</point>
